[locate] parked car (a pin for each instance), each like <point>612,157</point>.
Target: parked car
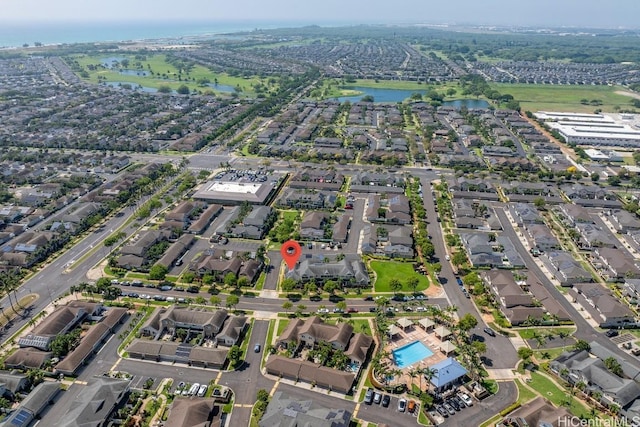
<point>377,398</point>
<point>202,391</point>
<point>411,406</point>
<point>466,399</point>
<point>611,333</point>
<point>372,309</point>
<point>453,403</point>
<point>386,399</point>
<point>368,397</point>
<point>449,408</point>
<point>442,411</point>
<point>352,310</point>
<point>402,405</point>
<point>194,389</point>
<point>489,331</point>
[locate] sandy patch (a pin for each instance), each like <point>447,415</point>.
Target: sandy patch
<point>627,93</point>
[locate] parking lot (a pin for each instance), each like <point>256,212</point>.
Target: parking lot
<point>390,414</point>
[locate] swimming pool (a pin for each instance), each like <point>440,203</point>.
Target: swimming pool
<point>411,353</point>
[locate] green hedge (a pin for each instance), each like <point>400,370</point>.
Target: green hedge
<point>509,409</point>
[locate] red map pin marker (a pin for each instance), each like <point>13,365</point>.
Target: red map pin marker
<point>291,252</point>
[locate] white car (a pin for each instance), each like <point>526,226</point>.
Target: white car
<point>323,310</point>
<point>466,399</point>
<point>447,257</point>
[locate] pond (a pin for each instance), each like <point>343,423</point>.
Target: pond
<point>222,88</point>
<point>110,60</point>
<point>399,95</point>
<point>131,86</point>
<point>128,72</point>
<point>380,94</point>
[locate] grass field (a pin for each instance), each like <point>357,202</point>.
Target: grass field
<point>403,271</point>
<point>534,97</point>
<point>528,334</point>
<point>524,394</point>
<point>165,74</point>
<point>558,396</point>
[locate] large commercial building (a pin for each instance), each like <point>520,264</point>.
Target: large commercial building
<point>596,130</point>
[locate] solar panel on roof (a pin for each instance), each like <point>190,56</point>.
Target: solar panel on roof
<point>22,418</point>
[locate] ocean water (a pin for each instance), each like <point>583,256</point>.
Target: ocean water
<point>17,34</point>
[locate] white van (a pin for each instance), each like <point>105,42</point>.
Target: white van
<point>194,389</point>
<point>202,391</point>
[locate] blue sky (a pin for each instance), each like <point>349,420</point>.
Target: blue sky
<point>593,13</point>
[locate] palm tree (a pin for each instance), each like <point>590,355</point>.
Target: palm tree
<point>414,373</point>
<point>429,374</point>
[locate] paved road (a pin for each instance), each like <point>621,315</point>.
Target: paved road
<point>247,380</point>
<point>500,353</point>
<point>53,280</point>
<point>584,330</point>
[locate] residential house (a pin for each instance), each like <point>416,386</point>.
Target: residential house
<point>95,404</point>
<point>525,213</point>
<point>187,412</point>
<point>542,237</point>
<point>349,271</point>
<point>580,367</point>
<point>205,219</point>
<point>341,229</point>
<point>307,199</point>
<point>233,330</point>
<point>313,330</point>
<point>619,264</point>
<point>567,270</point>
<point>284,409</point>
<point>593,237</point>
<point>12,383</point>
<point>184,212</point>
<point>209,323</point>
<point>33,405</point>
<point>614,313</point>
<point>624,222</point>
<point>574,214</point>
<point>518,306</point>
<point>312,226</point>
<point>302,370</point>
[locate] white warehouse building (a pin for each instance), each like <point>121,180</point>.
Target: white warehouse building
<point>597,130</point>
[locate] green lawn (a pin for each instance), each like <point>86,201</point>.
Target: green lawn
<point>552,353</point>
<point>535,97</point>
<point>291,215</point>
<point>528,334</point>
<point>403,271</point>
<point>557,395</point>
<point>524,394</point>
<point>165,74</point>
<point>282,324</point>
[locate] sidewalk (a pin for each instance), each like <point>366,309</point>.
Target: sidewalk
<point>517,341</point>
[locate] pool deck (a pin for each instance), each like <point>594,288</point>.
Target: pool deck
<point>411,334</point>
